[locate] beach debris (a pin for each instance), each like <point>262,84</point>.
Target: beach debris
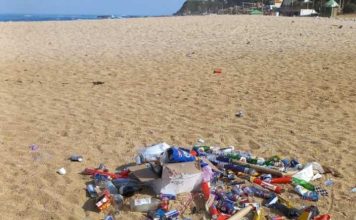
<point>76,158</point>
<point>353,190</point>
<point>95,83</point>
<point>34,147</point>
<point>240,114</point>
<point>225,179</point>
<point>329,182</point>
<point>218,71</point>
<point>62,171</point>
<point>109,217</point>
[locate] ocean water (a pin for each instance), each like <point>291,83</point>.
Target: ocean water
<point>29,17</point>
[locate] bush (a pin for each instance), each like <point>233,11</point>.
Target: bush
<point>350,8</point>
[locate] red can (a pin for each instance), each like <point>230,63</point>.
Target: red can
<point>165,204</point>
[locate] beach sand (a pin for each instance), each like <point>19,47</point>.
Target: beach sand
<point>295,79</point>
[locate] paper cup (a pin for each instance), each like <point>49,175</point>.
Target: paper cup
<point>62,171</point>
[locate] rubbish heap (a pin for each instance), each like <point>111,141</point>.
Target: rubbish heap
<point>231,184</point>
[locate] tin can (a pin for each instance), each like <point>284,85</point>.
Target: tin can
<point>171,215</point>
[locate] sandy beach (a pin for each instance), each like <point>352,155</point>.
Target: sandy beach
<point>295,79</point>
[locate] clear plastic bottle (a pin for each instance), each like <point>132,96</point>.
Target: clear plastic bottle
<point>111,187</point>
<point>144,204</point>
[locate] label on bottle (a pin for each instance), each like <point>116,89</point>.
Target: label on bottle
<point>144,201</point>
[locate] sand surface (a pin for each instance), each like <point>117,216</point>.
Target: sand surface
<point>295,79</point>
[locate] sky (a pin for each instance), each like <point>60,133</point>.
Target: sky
<point>104,7</point>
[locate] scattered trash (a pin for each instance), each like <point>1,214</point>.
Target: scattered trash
<point>228,181</point>
<point>218,71</point>
<point>76,158</point>
<point>34,147</point>
<point>62,171</point>
<point>329,182</point>
<point>240,114</point>
<point>98,83</point>
<point>353,190</point>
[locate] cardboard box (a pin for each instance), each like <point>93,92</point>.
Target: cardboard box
<point>176,177</point>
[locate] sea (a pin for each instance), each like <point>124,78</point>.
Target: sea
<point>42,17</point>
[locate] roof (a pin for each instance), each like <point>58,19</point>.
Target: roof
<point>331,4</point>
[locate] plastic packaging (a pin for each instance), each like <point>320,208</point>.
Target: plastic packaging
<point>151,153</point>
<point>207,172</point>
<point>144,204</point>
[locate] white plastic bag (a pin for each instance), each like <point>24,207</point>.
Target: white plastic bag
<point>151,153</point>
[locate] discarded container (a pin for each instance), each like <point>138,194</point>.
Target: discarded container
<point>171,215</point>
<point>118,201</point>
<point>62,171</point>
<point>165,204</point>
<point>303,183</point>
<point>104,201</point>
<point>144,204</point>
<point>111,187</point>
<point>91,191</point>
<point>178,155</point>
<point>273,188</point>
<point>205,188</point>
<point>76,158</point>
<point>168,196</point>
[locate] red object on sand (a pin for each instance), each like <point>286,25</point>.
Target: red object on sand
<point>205,188</point>
<point>282,180</point>
<point>323,217</point>
<point>93,172</point>
<point>218,71</point>
<point>276,189</point>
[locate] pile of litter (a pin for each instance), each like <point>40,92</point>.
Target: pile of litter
<point>230,184</point>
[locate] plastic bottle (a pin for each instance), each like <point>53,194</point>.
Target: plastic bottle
<point>272,160</point>
<point>276,189</point>
<point>261,193</point>
<point>303,183</point>
<point>282,180</point>
<point>205,188</point>
<point>91,191</point>
<point>111,187</point>
<point>241,169</point>
<point>118,201</point>
<point>144,204</point>
<point>207,172</point>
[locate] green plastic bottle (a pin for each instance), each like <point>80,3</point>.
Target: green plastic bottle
<point>252,160</point>
<point>272,160</point>
<point>205,148</point>
<point>304,183</point>
<point>234,156</point>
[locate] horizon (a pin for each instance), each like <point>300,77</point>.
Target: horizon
<point>90,7</point>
